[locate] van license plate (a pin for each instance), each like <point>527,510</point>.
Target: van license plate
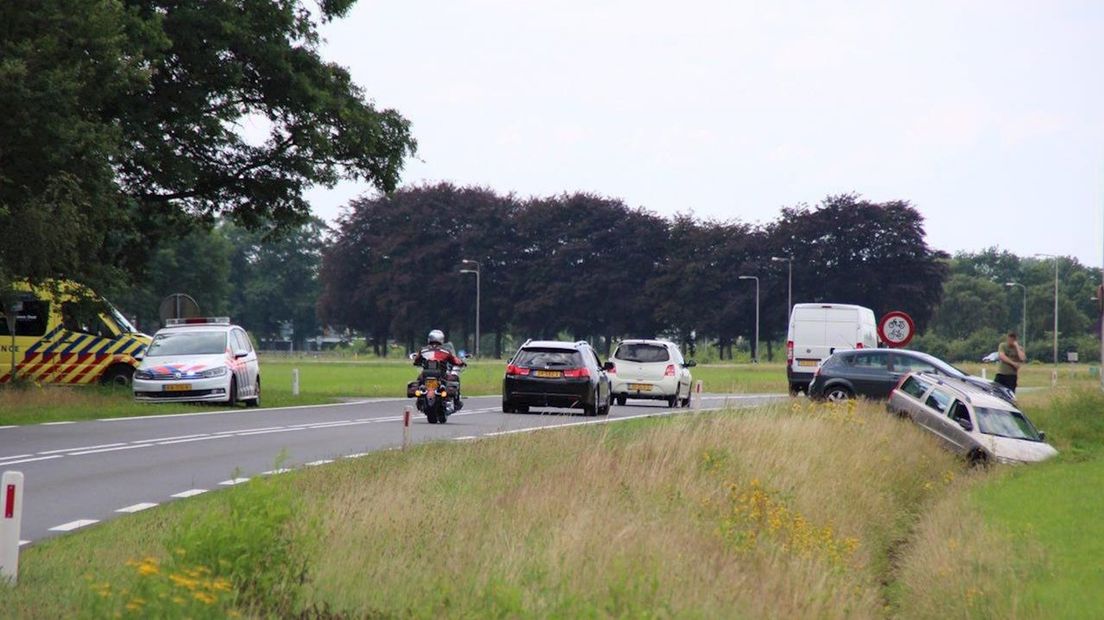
<point>807,362</point>
<point>178,387</point>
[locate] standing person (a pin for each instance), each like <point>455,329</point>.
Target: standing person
<point>1011,356</point>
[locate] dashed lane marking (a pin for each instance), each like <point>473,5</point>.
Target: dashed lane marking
<point>319,462</point>
<point>137,507</point>
<point>189,493</point>
<point>56,423</point>
<point>141,445</point>
<point>72,525</point>
<point>233,481</point>
<point>105,445</point>
<point>40,458</point>
<point>202,438</point>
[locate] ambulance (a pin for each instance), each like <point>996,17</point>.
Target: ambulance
<point>66,334</point>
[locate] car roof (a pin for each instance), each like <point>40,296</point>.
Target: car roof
<point>552,344</point>
<point>645,341</point>
<point>972,393</point>
<point>199,327</point>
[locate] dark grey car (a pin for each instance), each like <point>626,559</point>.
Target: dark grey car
<point>873,373</point>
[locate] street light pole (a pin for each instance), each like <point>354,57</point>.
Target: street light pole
<point>1054,375</point>
<point>789,282</point>
<point>756,278</point>
<point>1023,334</point>
<point>478,286</point>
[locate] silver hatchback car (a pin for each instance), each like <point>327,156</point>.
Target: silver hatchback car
<point>975,424</point>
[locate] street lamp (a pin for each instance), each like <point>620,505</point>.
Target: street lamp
<point>476,271</point>
<point>789,282</point>
<point>756,278</point>
<point>1054,375</point>
<point>1023,334</point>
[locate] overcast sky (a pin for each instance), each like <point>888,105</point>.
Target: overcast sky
<point>986,116</point>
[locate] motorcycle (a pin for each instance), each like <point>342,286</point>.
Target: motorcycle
<point>437,389</point>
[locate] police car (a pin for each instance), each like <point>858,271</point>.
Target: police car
<point>199,359</point>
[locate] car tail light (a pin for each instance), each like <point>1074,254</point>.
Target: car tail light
<point>576,373</point>
<point>516,370</point>
<point>789,351</point>
<point>670,372</point>
<point>858,345</point>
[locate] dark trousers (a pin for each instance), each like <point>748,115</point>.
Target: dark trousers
<point>1008,381</point>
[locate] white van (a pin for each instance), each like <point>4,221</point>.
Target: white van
<point>818,330</point>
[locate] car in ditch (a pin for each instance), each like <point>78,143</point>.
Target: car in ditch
<point>651,370</point>
<point>873,373</point>
<point>969,421</point>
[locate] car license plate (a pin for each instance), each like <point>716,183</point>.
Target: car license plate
<point>431,384</point>
<point>807,362</point>
<point>177,387</point>
<point>640,387</point>
<point>550,374</point>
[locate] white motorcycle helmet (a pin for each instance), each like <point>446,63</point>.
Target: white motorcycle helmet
<point>436,337</point>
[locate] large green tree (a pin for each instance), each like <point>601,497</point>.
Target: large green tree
<point>123,124</point>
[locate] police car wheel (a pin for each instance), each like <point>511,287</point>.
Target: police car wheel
<point>256,400</point>
<point>232,395</point>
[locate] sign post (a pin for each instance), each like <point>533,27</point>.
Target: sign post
<point>406,427</point>
<point>11,519</point>
<point>896,329</point>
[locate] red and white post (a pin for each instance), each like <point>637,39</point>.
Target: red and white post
<point>696,397</point>
<point>406,427</point>
<point>11,520</point>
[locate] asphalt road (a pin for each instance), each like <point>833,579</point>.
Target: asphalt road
<point>81,473</point>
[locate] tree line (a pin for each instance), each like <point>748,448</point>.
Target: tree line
<point>590,267</point>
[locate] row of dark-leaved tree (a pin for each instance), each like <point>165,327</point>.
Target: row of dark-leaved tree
<point>593,268</point>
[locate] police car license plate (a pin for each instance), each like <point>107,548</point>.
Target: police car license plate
<point>640,387</point>
<point>177,387</point>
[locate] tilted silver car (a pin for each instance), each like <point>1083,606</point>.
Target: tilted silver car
<point>975,424</point>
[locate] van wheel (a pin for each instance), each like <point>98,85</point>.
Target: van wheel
<point>838,393</point>
<point>118,376</point>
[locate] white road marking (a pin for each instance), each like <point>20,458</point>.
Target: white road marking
<point>56,423</point>
<point>465,438</point>
<point>41,458</point>
<point>24,542</point>
<point>279,430</point>
<point>137,507</point>
<point>357,455</point>
<point>131,447</point>
<point>72,525</point>
<point>248,430</point>
<point>9,426</point>
<point>366,401</point>
<point>160,439</point>
<point>233,481</point>
<point>273,472</point>
<point>200,438</point>
<point>189,493</point>
<point>106,445</point>
<point>15,456</point>
<point>319,462</point>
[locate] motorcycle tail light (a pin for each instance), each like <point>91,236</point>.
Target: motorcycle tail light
<point>670,372</point>
<point>516,371</point>
<point>576,373</point>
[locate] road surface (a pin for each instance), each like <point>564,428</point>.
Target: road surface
<point>81,473</point>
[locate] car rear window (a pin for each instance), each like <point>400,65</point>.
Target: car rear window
<point>549,357</point>
<point>914,387</point>
<point>642,353</point>
<point>187,343</point>
<point>939,401</point>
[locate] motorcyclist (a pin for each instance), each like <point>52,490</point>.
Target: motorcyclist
<point>435,349</point>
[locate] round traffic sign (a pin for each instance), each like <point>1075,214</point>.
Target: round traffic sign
<point>896,329</point>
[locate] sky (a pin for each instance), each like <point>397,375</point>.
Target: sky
<point>987,116</point>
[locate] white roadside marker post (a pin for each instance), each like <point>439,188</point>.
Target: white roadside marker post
<point>696,399</point>
<point>11,494</point>
<point>294,381</point>
<point>984,373</point>
<point>406,427</point>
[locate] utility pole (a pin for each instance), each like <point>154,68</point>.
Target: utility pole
<point>756,278</point>
<point>478,285</point>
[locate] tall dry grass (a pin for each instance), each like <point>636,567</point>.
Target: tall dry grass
<point>775,513</point>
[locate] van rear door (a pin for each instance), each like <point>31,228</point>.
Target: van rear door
<point>808,338</point>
